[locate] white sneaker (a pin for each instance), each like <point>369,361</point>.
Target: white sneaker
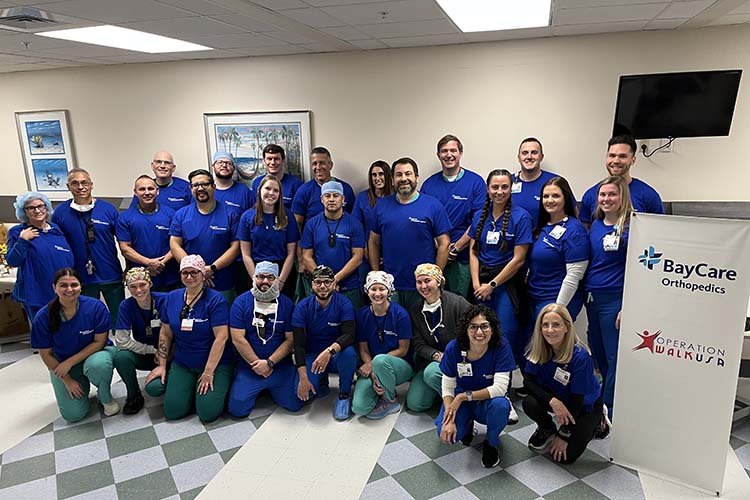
<point>111,408</point>
<point>513,416</point>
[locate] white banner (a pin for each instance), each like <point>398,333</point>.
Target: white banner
<point>687,282</point>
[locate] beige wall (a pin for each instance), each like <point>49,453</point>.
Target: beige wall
<point>391,103</point>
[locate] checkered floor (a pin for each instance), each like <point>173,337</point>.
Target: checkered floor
<point>10,353</point>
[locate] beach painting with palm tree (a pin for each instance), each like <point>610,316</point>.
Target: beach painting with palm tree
<point>245,135</point>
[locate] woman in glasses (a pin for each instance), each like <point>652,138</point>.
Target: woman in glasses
<point>37,248</point>
<point>196,320</point>
<point>476,370</point>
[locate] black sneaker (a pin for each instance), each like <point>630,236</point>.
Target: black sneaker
<point>134,405</point>
<point>605,428</point>
<point>521,392</point>
<point>490,455</point>
<point>469,436</point>
<point>541,439</point>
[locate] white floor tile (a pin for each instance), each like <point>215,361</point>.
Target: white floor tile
<point>30,447</point>
<point>457,494</point>
<point>616,483</point>
<point>465,465</point>
<point>197,472</point>
<point>232,436</point>
<point>81,455</point>
<point>41,489</point>
<point>138,464</point>
<point>541,475</point>
<point>401,455</point>
<point>172,431</point>
<point>410,424</point>
<point>386,488</point>
<point>108,493</point>
<point>288,487</point>
<point>257,459</point>
<point>232,484</point>
<point>120,423</point>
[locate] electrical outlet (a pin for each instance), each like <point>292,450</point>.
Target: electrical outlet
<point>667,149</point>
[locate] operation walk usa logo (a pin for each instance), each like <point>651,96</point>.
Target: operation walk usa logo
<point>690,352</point>
<point>691,276</point>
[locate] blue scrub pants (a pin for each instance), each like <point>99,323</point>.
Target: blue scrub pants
<point>491,412</point>
<point>247,385</point>
<point>602,309</point>
<point>31,311</point>
<point>344,363</point>
<point>517,334</point>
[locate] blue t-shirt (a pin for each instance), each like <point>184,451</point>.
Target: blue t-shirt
<point>395,326</point>
<point>363,212</point>
<point>349,235</point>
<point>103,218</point>
<point>483,370</point>
<point>582,380</point>
<point>420,221</point>
<point>37,261</point>
<point>289,186</point>
<point>519,232</point>
<point>175,195</point>
<point>322,325</point>
<point>267,242</point>
<point>606,271</point>
<point>193,347</point>
<point>461,198</point>
<point>148,234</point>
<point>276,326</point>
<point>307,199</point>
<point>73,335</point>
<point>132,317</point>
<point>209,236</point>
<point>549,255</point>
<point>527,194</point>
<point>237,197</point>
<point>644,199</point>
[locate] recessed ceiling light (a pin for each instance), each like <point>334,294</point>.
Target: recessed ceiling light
<point>496,15</point>
<point>124,38</point>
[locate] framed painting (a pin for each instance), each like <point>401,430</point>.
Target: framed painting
<point>244,135</point>
<point>47,151</point>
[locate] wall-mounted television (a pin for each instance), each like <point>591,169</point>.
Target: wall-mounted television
<point>694,104</point>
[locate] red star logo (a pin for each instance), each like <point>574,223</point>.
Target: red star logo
<point>647,340</point>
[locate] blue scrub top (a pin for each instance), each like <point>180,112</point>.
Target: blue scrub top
<point>527,194</point>
<point>276,326</point>
<point>548,257</point>
<point>363,212</point>
<point>289,186</point>
<point>267,242</point>
<point>132,317</point>
<point>148,234</point>
<point>238,197</point>
<point>209,236</point>
<point>421,221</point>
<point>606,271</point>
<point>175,195</point>
<point>519,232</point>
<point>73,335</point>
<point>37,261</point>
<point>396,326</point>
<point>644,199</point>
<point>322,325</point>
<point>483,370</point>
<point>103,217</point>
<point>349,235</point>
<point>193,347</point>
<point>307,199</point>
<point>582,381</point>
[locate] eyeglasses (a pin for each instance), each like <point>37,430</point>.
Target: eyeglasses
<point>324,283</point>
<point>36,208</point>
<point>265,277</point>
<point>224,163</point>
<point>473,327</point>
<point>204,185</point>
<point>191,274</point>
<point>77,184</point>
<point>163,162</point>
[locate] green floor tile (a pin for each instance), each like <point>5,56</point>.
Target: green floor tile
<point>3,365</point>
<point>27,470</point>
<point>736,442</point>
<point>587,464</point>
<point>189,448</point>
<point>85,479</point>
<point>512,451</point>
<point>500,485</point>
<point>575,491</point>
<point>78,434</point>
<point>227,455</point>
<point>191,494</point>
<point>156,413</point>
<point>15,346</point>
<point>257,422</point>
<point>523,421</point>
<point>394,436</point>
<point>220,422</point>
<point>44,430</point>
<point>156,485</point>
<point>431,446</point>
<point>377,473</point>
<point>426,481</point>
<point>137,440</point>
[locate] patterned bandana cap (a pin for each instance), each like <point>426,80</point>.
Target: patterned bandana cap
<point>194,261</point>
<point>137,274</point>
<point>266,267</point>
<point>323,272</point>
<point>379,277</point>
<point>430,270</point>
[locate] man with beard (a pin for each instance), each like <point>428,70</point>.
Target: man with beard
<point>335,239</point>
<point>143,233</point>
<point>323,326</point>
<point>260,323</point>
<point>462,193</point>
<point>413,215</point>
<point>274,159</point>
<point>209,229</point>
<point>620,158</point>
<point>173,191</point>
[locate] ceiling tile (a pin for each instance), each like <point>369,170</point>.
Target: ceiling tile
<point>369,44</point>
<point>16,42</point>
<point>245,22</point>
<point>588,29</point>
<point>289,37</point>
<point>115,12</point>
<point>742,9</point>
<point>141,58</point>
<point>576,4</point>
<point>236,41</point>
<point>617,13</point>
<point>665,24</point>
<point>87,50</point>
<point>185,28</point>
<point>197,6</point>
<point>489,36</point>
<point>281,4</point>
<point>424,41</point>
<point>204,54</point>
<point>345,33</point>
<point>728,19</point>
<point>331,3</point>
<point>679,10</point>
<point>400,11</point>
<point>391,30</point>
<point>312,17</point>
<point>279,50</point>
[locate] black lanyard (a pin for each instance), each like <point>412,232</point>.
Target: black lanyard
<point>332,235</point>
<point>188,307</point>
<point>147,318</point>
<point>381,324</point>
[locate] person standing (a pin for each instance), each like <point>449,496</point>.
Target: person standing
<point>274,160</point>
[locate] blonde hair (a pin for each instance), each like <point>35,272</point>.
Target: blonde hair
<point>540,351</point>
<point>626,204</point>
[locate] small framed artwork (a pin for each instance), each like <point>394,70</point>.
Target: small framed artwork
<point>47,151</point>
<point>244,135</point>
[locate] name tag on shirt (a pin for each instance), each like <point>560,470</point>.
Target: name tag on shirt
<point>557,232</point>
<point>187,325</point>
<point>562,376</point>
<point>258,322</point>
<point>464,370</point>
<point>493,237</point>
<point>611,242</point>
<point>516,187</point>
<point>155,323</point>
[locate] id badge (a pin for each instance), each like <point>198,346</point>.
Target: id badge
<point>493,237</point>
<point>611,242</point>
<point>187,325</point>
<point>258,322</point>
<point>557,232</point>
<point>562,376</point>
<point>464,370</point>
<point>516,187</point>
<point>155,323</point>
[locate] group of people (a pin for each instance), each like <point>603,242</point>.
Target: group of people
<point>451,287</point>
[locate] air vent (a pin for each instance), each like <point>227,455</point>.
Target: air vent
<point>26,19</point>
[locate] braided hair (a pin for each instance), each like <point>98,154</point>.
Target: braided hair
<point>486,210</point>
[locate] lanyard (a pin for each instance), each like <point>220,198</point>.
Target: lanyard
<point>438,325</point>
<point>332,235</point>
<point>147,318</point>
<point>260,331</point>
<point>381,324</point>
<point>188,307</point>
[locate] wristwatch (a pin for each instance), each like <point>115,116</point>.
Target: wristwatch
<point>214,269</point>
<point>493,284</point>
<point>469,396</point>
<point>270,363</point>
<point>332,351</point>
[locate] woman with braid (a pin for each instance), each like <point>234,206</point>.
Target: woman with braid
<point>501,235</point>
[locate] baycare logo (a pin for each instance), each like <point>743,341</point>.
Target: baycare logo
<point>689,352</point>
<point>693,277</point>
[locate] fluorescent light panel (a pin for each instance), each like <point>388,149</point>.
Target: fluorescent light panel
<point>495,15</point>
<point>124,38</point>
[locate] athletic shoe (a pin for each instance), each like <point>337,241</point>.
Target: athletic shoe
<point>384,408</point>
<point>111,408</point>
<point>521,392</point>
<point>541,439</point>
<point>343,408</point>
<point>134,405</point>
<point>605,428</point>
<point>512,416</point>
<point>469,436</point>
<point>490,455</point>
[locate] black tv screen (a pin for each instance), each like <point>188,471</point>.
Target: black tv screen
<point>695,104</point>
